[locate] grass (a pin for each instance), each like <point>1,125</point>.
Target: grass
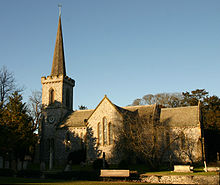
<point>13,180</point>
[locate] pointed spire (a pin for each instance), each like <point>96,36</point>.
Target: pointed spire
<point>58,67</point>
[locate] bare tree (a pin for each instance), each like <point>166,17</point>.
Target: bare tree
<point>145,139</point>
<point>35,108</point>
<point>7,84</point>
<point>164,99</point>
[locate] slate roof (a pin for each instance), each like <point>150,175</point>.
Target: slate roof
<point>144,111</point>
<point>58,67</point>
<point>181,116</point>
<point>77,118</point>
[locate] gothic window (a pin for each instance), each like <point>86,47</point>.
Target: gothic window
<point>51,96</point>
<point>99,134</point>
<point>68,98</point>
<point>105,125</point>
<point>110,133</point>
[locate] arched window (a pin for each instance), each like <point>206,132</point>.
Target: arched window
<point>99,134</point>
<point>68,98</point>
<point>105,125</point>
<point>110,133</point>
<point>51,96</point>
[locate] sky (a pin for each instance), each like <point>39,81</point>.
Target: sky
<point>122,48</point>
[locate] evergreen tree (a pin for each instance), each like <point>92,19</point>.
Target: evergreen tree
<point>17,134</point>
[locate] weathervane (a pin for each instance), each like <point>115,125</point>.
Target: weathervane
<point>59,6</point>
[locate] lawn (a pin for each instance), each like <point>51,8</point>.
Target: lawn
<point>13,180</point>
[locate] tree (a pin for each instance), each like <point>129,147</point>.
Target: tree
<point>19,138</point>
<point>163,99</point>
<point>145,140</point>
<point>7,84</point>
<point>35,108</point>
<point>192,98</point>
<point>82,107</point>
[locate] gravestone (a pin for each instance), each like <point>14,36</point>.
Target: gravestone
<point>13,165</point>
<point>42,166</point>
<point>19,165</point>
<point>68,168</point>
<point>25,163</point>
<point>7,164</point>
<point>1,162</point>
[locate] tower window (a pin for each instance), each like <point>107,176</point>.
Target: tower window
<point>51,96</point>
<point>68,98</point>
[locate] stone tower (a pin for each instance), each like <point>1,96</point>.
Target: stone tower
<point>57,99</point>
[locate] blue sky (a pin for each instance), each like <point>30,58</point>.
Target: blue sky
<point>122,48</point>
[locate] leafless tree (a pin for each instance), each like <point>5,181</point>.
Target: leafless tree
<point>146,140</point>
<point>35,108</point>
<point>164,99</point>
<point>7,84</point>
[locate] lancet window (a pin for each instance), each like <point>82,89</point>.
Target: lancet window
<point>51,96</point>
<point>99,134</point>
<point>105,132</point>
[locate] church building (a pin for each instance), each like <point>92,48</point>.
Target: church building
<point>64,130</point>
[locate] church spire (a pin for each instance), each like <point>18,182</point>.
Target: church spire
<point>58,67</point>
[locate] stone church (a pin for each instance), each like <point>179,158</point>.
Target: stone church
<point>63,130</point>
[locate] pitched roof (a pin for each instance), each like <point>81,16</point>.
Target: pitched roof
<point>58,67</point>
<point>77,118</point>
<point>181,116</point>
<point>144,111</point>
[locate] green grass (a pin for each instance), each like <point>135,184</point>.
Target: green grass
<point>13,180</point>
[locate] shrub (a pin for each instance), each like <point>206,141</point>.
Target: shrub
<point>98,164</point>
<point>74,175</point>
<point>29,173</point>
<point>6,172</point>
<point>123,164</point>
<point>76,157</point>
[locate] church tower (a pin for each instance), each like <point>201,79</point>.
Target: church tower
<point>57,101</point>
<point>57,89</point>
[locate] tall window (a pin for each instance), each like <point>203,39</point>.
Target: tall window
<point>110,133</point>
<point>68,98</point>
<point>99,134</point>
<point>105,125</point>
<point>51,96</point>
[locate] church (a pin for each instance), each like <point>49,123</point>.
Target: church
<point>63,130</point>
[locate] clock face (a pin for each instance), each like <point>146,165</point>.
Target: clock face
<point>51,119</point>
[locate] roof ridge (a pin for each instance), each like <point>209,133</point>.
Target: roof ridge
<point>139,106</point>
<point>194,106</point>
<point>84,110</point>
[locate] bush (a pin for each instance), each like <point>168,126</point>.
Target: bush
<point>6,172</point>
<point>74,175</point>
<point>76,157</point>
<point>29,173</point>
<point>98,164</point>
<point>123,164</point>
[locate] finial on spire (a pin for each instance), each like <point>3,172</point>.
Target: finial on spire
<point>59,6</point>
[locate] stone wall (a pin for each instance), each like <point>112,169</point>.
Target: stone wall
<point>107,110</point>
<point>181,179</point>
